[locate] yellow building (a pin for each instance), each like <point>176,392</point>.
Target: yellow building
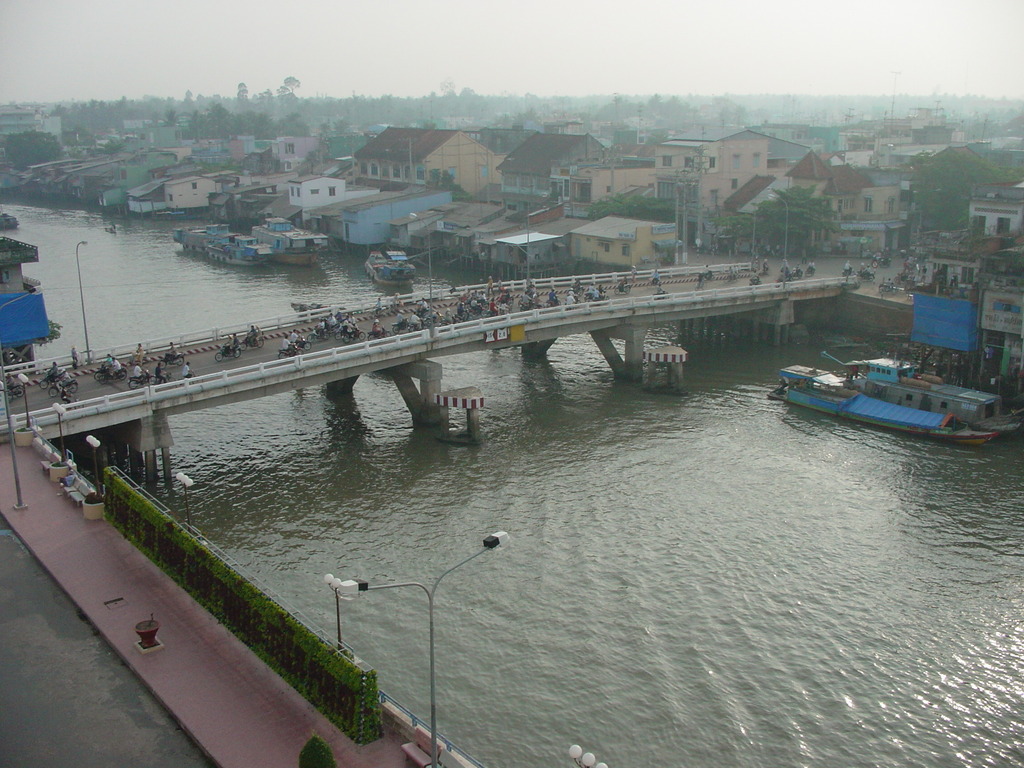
<point>422,156</point>
<point>619,242</point>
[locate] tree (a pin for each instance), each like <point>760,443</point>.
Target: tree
<point>943,185</point>
<point>243,92</point>
<point>32,148</point>
<point>806,218</point>
<point>634,207</point>
<point>316,754</point>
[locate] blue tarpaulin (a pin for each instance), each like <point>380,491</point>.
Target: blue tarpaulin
<point>947,323</point>
<point>22,318</point>
<point>891,413</point>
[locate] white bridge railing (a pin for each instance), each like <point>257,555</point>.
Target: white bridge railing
<point>442,337</point>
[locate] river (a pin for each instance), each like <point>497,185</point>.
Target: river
<point>706,580</point>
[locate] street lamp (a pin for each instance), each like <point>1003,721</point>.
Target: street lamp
<point>335,583</point>
<point>81,296</point>
<point>95,445</point>
<point>353,587</point>
<point>186,483</point>
<point>61,411</point>
<point>25,382</point>
<point>584,759</point>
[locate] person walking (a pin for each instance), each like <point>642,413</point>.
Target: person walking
<point>74,358</point>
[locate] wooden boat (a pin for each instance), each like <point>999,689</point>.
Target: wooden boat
<point>289,245</point>
<point>898,381</point>
<point>197,238</point>
<point>239,251</point>
<point>7,221</point>
<point>834,395</point>
<point>390,267</point>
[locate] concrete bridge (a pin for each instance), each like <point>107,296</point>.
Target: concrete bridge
<point>138,419</point>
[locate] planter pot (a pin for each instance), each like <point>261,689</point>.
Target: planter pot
<point>92,511</point>
<point>23,437</point>
<point>146,631</point>
<point>58,470</point>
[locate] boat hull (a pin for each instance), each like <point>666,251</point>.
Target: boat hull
<point>295,259</point>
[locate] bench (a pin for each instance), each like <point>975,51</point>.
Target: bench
<point>75,495</point>
<point>418,750</point>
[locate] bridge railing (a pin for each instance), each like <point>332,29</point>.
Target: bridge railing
<point>331,357</point>
<point>278,322</point>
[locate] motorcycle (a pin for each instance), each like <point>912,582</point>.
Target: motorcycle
<point>866,274</point>
<point>380,333</point>
<point>349,333</point>
<point>135,382</point>
<point>15,389</point>
<point>810,271</point>
<point>796,274</point>
<point>106,374</point>
<point>254,340</point>
<point>52,377</point>
<point>173,358</point>
<point>290,351</point>
<point>228,350</point>
<point>62,386</point>
<point>847,271</point>
<point>623,287</point>
<point>755,280</point>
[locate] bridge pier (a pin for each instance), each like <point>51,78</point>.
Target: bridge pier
<point>421,400</point>
<point>630,365</point>
<point>536,350</point>
<point>341,387</point>
<point>142,438</point>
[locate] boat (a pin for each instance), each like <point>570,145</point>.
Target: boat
<point>899,382</point>
<point>828,393</point>
<point>390,267</point>
<point>290,245</point>
<point>7,221</point>
<point>197,238</point>
<point>239,251</point>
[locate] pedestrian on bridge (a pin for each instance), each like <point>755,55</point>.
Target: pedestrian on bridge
<point>139,354</point>
<point>74,358</point>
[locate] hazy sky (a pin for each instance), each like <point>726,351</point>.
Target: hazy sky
<point>104,49</point>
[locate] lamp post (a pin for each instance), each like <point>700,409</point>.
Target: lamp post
<point>335,584</point>
<point>81,296</point>
<point>584,759</point>
<point>95,445</point>
<point>186,483</point>
<point>353,587</point>
<point>25,382</point>
<point>61,411</point>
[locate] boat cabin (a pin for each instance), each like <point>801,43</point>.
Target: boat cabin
<point>882,369</point>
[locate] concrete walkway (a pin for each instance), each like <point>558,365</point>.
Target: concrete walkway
<point>239,712</point>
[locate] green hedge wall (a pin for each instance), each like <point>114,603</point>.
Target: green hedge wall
<point>340,690</point>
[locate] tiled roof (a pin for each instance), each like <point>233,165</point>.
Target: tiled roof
<point>747,192</point>
<point>846,180</point>
<point>396,144</point>
<point>541,151</point>
<point>810,167</point>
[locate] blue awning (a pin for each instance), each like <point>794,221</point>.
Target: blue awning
<point>22,319</point>
<point>942,322</point>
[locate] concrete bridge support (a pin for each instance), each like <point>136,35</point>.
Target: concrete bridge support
<point>630,365</point>
<point>142,439</point>
<point>341,387</point>
<point>536,350</point>
<point>421,400</point>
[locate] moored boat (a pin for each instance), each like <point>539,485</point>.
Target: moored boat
<point>7,221</point>
<point>390,267</point>
<point>289,245</point>
<point>828,393</point>
<point>197,238</point>
<point>239,251</point>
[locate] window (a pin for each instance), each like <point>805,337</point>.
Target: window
<point>1002,225</point>
<point>421,173</point>
<point>890,205</point>
<point>734,183</point>
<point>373,169</point>
<point>195,185</point>
<point>451,171</point>
<point>869,204</point>
<point>170,198</point>
<point>666,190</point>
<point>314,191</point>
<point>608,189</point>
<point>396,171</point>
<point>331,191</point>
<point>666,161</point>
<point>735,162</point>
<point>295,191</point>
<point>289,149</point>
<point>757,159</point>
<point>484,171</point>
<point>711,162</point>
<point>625,250</point>
<point>606,247</point>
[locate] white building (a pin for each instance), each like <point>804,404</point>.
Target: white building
<point>998,209</point>
<point>311,192</point>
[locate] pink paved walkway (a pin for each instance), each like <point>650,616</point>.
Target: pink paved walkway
<point>238,711</point>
